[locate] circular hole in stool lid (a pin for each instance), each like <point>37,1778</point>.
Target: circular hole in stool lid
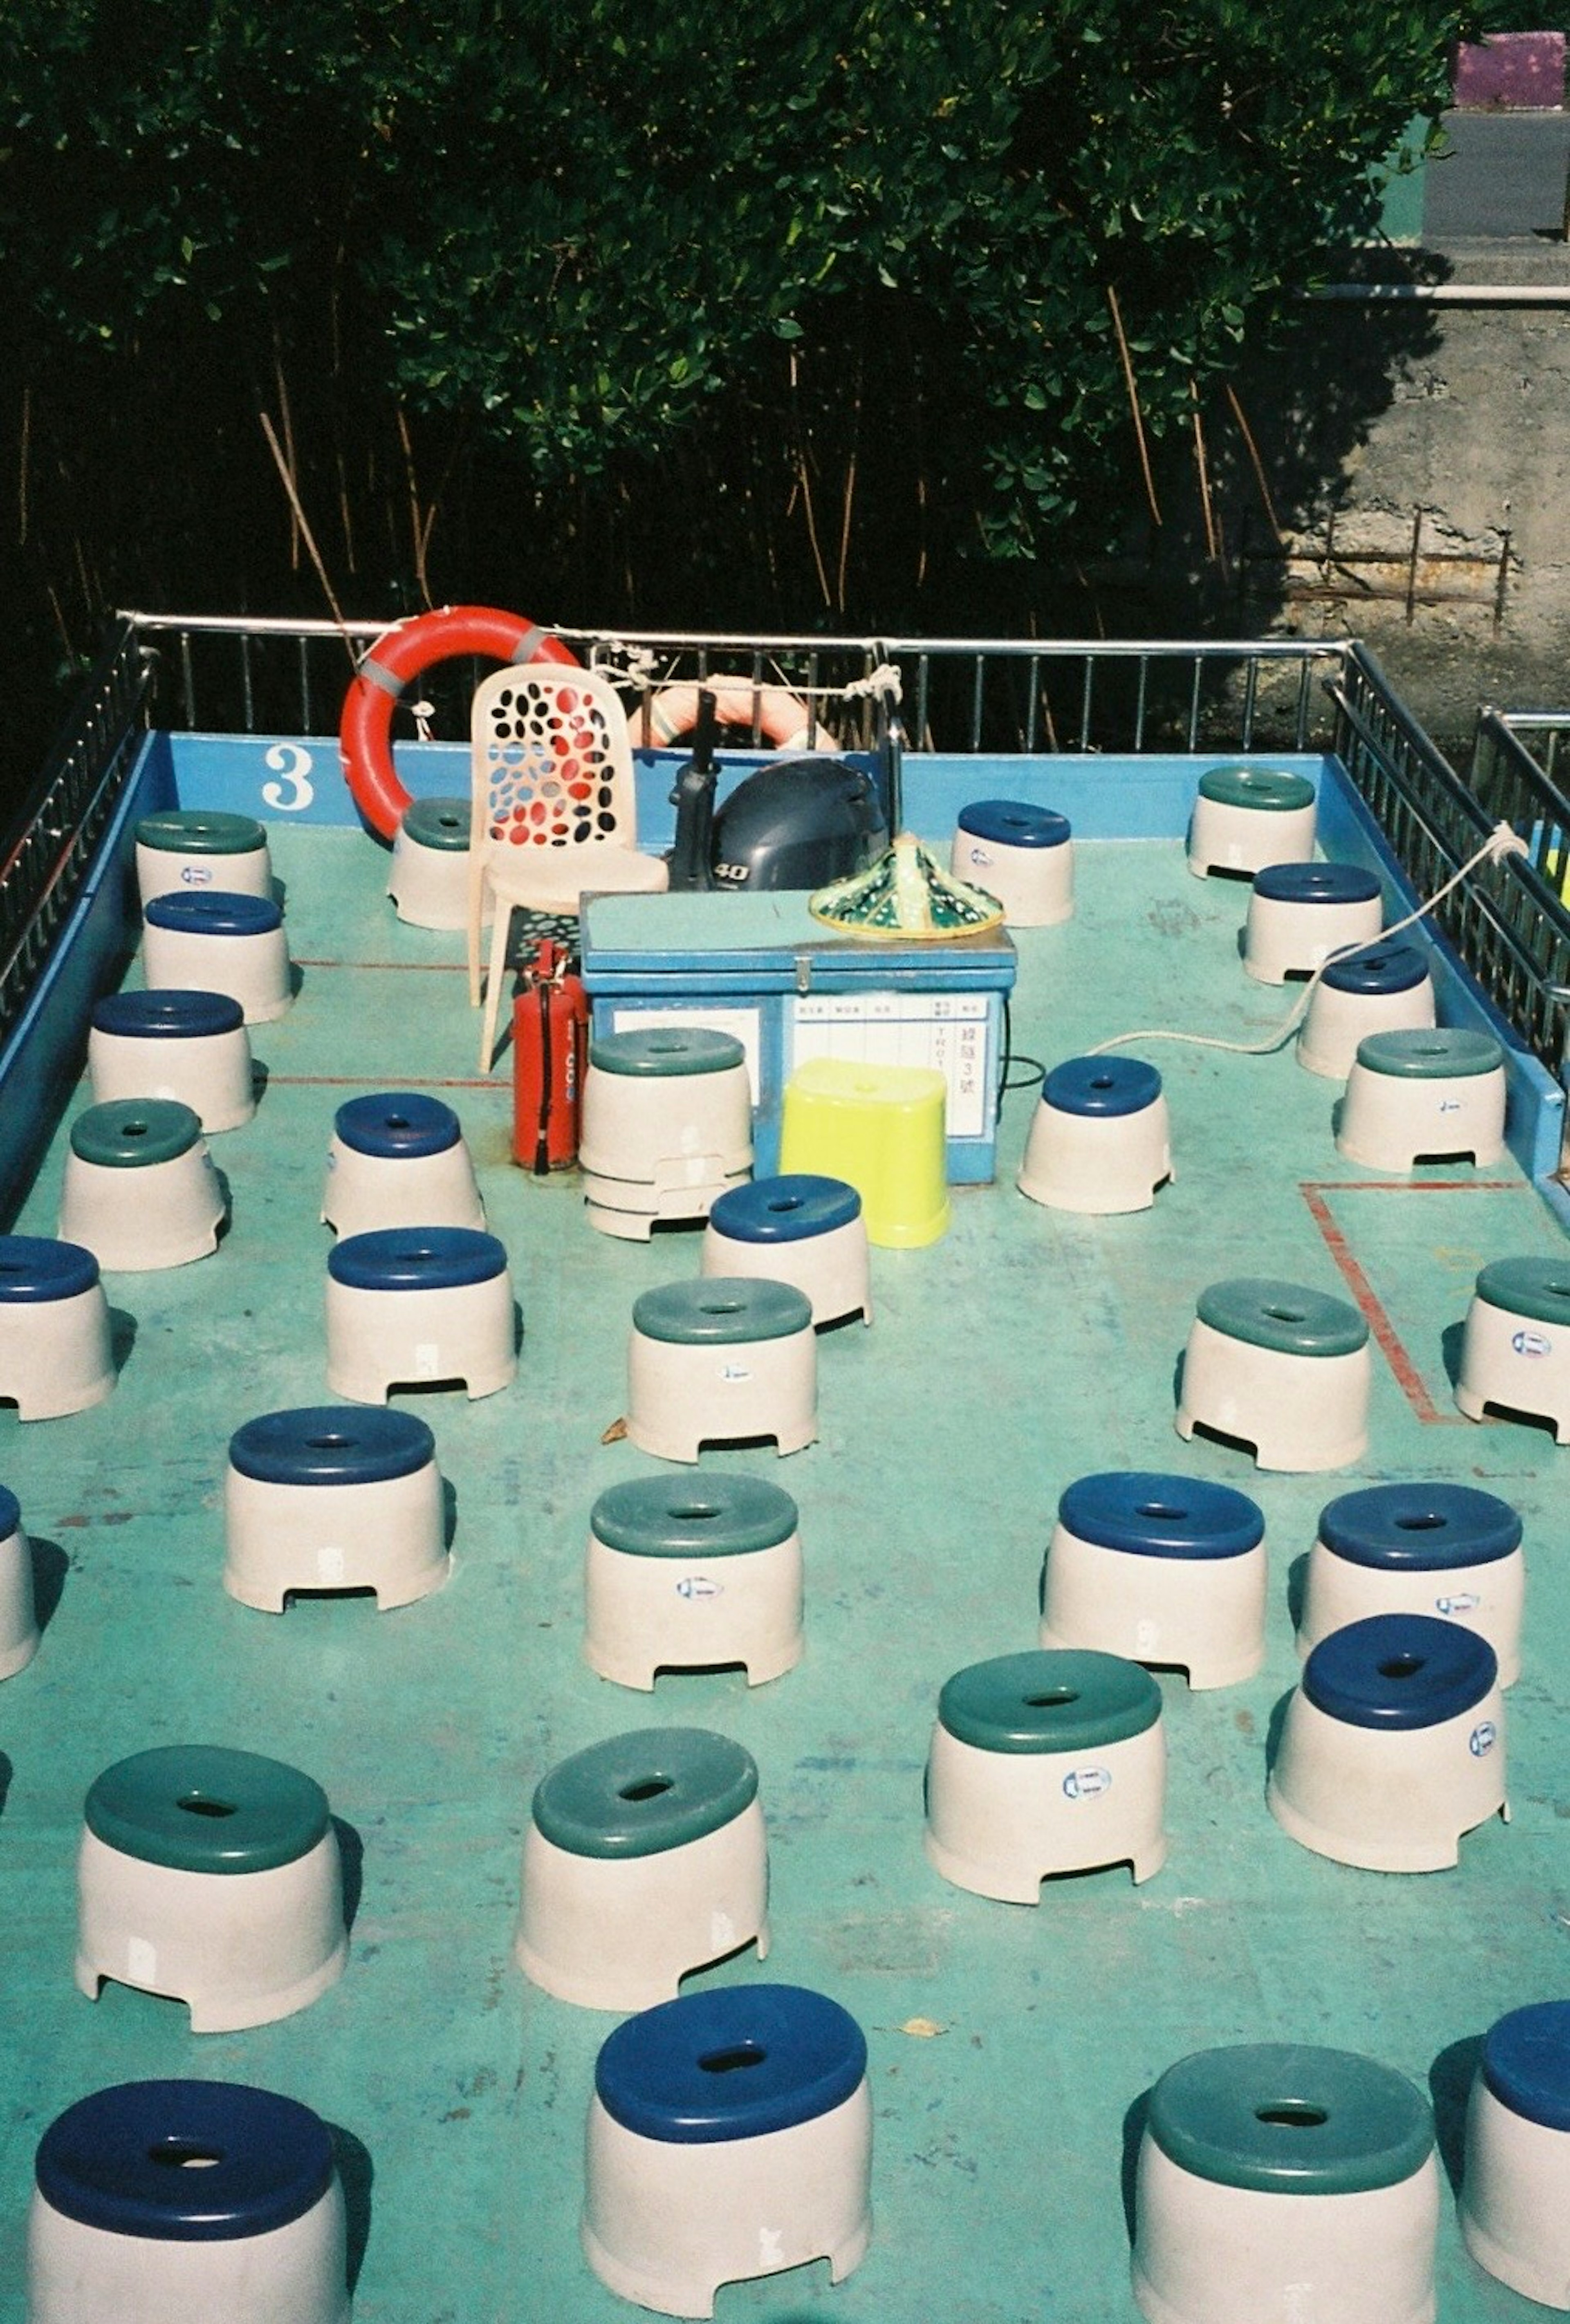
<point>180,2154</point>
<point>727,2061</point>
<point>397,1121</point>
<point>1430,1522</point>
<point>1292,2113</point>
<point>194,1804</point>
<point>1054,1698</point>
<point>329,1443</point>
<point>721,1306</point>
<point>693,1512</point>
<point>132,1130</point>
<point>1102,1081</point>
<point>784,1203</point>
<point>1400,1666</point>
<point>1287,1314</point>
<point>644,1787</point>
<point>1160,1509</point>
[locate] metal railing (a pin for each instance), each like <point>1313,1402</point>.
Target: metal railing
<point>1509,924</point>
<point>1508,921</point>
<point>46,865</point>
<point>1546,734</point>
<point>959,695</point>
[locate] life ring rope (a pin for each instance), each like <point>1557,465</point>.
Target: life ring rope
<point>773,711</point>
<point>404,652</point>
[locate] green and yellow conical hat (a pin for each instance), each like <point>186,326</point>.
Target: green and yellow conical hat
<point>906,896</point>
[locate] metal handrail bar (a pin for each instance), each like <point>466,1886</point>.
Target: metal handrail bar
<point>47,862</point>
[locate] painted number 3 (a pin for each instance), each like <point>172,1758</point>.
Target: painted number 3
<point>295,791</point>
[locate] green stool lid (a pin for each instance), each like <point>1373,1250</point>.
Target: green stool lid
<point>725,1516</point>
<point>200,831</point>
<point>720,1309</point>
<point>1286,1317</point>
<point>1287,2119</point>
<point>667,1049</point>
<point>1424,1052</point>
<point>1063,1699</point>
<point>1538,1287</point>
<point>1270,788</point>
<point>439,823</point>
<point>639,1795</point>
<point>134,1132</point>
<point>200,1808</point>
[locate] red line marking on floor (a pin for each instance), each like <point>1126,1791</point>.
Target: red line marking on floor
<point>403,1081</point>
<point>1408,1378</point>
<point>413,967</point>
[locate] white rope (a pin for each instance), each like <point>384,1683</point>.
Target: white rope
<point>884,679</point>
<point>1501,842</point>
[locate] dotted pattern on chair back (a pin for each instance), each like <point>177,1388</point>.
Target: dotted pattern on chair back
<point>552,749</point>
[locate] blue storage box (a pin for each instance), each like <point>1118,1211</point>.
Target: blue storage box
<point>760,966</point>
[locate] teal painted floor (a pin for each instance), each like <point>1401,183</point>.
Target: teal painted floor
<point>1008,2044</point>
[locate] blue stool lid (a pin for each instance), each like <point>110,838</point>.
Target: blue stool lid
<point>416,1258</point>
<point>1014,823</point>
<point>734,2063</point>
<point>1399,1671</point>
<point>1377,968</point>
<point>214,912</point>
<point>1526,2062</point>
<point>397,1124</point>
<point>168,1015</point>
<point>1154,1516</point>
<point>1419,1528</point>
<point>10,1513</point>
<point>1316,884</point>
<point>113,2161</point>
<point>35,1267</point>
<point>787,1209</point>
<point>1104,1087</point>
<point>331,1445</point>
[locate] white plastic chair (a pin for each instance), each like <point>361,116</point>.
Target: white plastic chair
<point>554,814</point>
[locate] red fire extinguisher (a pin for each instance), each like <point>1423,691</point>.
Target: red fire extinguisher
<point>550,1015</point>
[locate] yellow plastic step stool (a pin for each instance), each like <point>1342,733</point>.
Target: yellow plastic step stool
<point>880,1128</point>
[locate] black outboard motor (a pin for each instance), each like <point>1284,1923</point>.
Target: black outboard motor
<point>798,822</point>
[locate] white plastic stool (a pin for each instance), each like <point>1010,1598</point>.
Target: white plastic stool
<point>194,848</point>
<point>18,1618</point>
<point>191,1046</point>
<point>645,1859</point>
<point>428,876</point>
<point>1163,1570</point>
<point>721,1359</point>
<point>1383,989</point>
<point>1392,1746</point>
<point>1281,2184</point>
<point>1515,2196</point>
<point>56,1353</point>
<point>1045,1763</point>
<point>1245,817</point>
<point>1021,854</point>
<point>1300,913</point>
<point>699,2175</point>
<point>1280,1369</point>
<point>398,1159</point>
<point>1445,1550</point>
<point>214,942</point>
<point>1100,1139</point>
<point>213,1876</point>
<point>411,1307</point>
<point>797,1229</point>
<point>667,1126</point>
<point>186,2203</point>
<point>1515,1344</point>
<point>681,1578</point>
<point>1425,1094</point>
<point>327,1497</point>
<point>140,1190</point>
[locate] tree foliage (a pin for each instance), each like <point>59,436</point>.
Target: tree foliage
<point>849,289</point>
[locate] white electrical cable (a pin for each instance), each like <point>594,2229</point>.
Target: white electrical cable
<point>1502,841</point>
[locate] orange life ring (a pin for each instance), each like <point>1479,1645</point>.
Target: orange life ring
<point>781,717</point>
<point>400,653</point>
